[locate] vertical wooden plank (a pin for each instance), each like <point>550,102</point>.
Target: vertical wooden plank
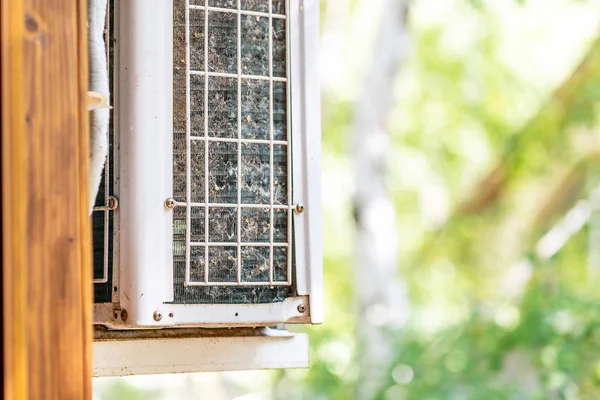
<point>85,221</point>
<point>14,242</point>
<point>46,229</point>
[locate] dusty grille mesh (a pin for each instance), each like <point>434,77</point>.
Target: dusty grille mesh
<point>232,223</point>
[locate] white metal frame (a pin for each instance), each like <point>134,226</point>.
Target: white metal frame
<point>306,144</point>
<point>143,256</point>
<point>145,120</point>
<point>160,356</point>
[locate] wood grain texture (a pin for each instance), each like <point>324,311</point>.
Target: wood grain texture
<point>47,303</point>
<point>14,241</point>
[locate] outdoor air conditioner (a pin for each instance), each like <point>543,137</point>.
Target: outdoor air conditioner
<point>207,222</point>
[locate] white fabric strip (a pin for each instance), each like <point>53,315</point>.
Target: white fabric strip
<point>99,118</point>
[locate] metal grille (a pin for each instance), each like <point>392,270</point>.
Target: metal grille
<point>232,220</point>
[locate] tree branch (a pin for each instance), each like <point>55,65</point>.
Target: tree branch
<point>553,114</point>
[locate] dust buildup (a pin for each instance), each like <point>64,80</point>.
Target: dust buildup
<point>222,176</point>
<point>255,45</point>
<point>223,156</point>
<point>223,3</point>
<point>198,222</point>
<point>222,264</point>
<point>179,250</point>
<point>255,5</point>
<point>280,264</point>
<point>179,92</point>
<point>222,107</point>
<point>278,7</point>
<point>179,221</point>
<point>256,225</point>
<point>226,294</point>
<point>255,264</point>
<point>179,115</point>
<point>179,160</point>
<point>222,224</point>
<point>222,42</point>
<point>196,39</point>
<point>179,232</point>
<point>280,176</point>
<point>280,226</point>
<point>279,111</point>
<point>197,262</point>
<point>197,171</point>
<point>179,103</point>
<point>197,87</point>
<point>255,109</point>
<point>255,179</point>
<point>279,47</point>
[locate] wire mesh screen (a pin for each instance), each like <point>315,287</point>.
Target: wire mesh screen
<point>232,221</point>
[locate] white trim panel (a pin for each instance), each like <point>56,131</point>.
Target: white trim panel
<point>233,314</point>
<point>306,138</point>
<point>145,89</point>
<point>166,356</point>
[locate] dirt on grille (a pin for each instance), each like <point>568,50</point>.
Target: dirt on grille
<point>232,166</point>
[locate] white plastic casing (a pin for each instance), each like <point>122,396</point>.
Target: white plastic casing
<point>145,130</point>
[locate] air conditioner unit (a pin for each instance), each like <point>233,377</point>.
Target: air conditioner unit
<point>207,223</point>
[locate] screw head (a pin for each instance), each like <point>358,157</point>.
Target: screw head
<point>301,308</point>
<point>299,208</point>
<point>170,203</point>
<point>157,315</point>
<point>113,203</point>
<point>123,315</point>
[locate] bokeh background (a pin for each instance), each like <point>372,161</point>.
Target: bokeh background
<point>461,197</point>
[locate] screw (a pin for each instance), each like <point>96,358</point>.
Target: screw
<point>157,315</point>
<point>301,308</point>
<point>113,203</point>
<point>299,208</point>
<point>170,203</point>
<point>123,315</point>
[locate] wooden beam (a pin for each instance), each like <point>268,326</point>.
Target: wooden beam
<point>14,240</point>
<point>46,243</point>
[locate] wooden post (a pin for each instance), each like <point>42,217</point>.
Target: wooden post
<point>46,244</point>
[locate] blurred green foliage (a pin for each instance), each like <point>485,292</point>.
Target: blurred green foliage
<point>497,158</point>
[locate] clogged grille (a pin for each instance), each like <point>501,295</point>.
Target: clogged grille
<point>232,221</point>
